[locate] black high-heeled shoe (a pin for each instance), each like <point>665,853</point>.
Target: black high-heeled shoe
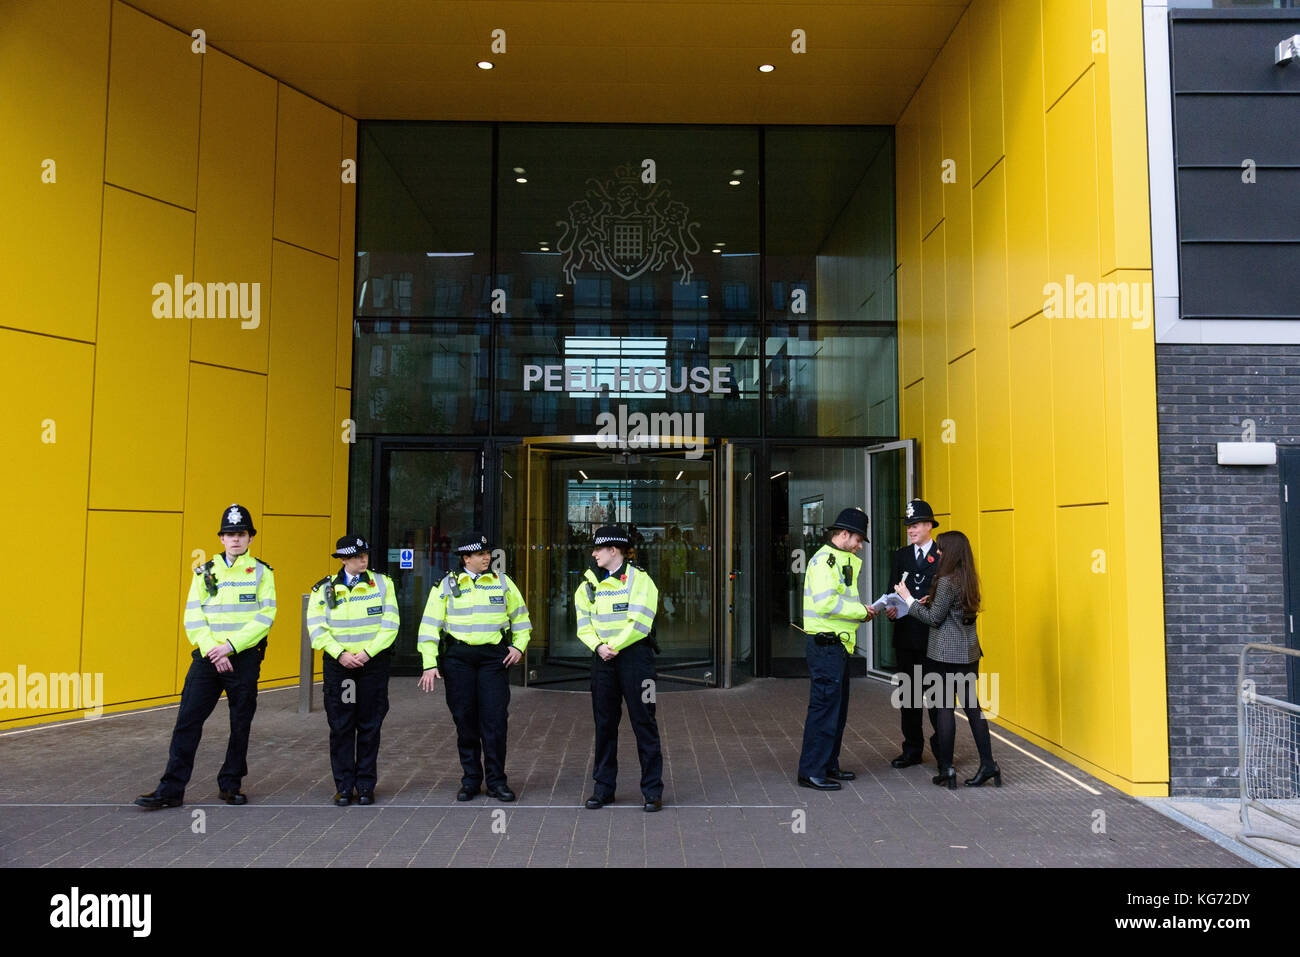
<point>985,772</point>
<point>946,776</point>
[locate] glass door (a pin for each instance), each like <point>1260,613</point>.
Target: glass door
<point>428,498</point>
<point>665,501</point>
<point>890,486</point>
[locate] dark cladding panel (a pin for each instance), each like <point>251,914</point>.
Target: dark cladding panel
<point>1215,204</point>
<point>1230,280</point>
<point>1237,152</point>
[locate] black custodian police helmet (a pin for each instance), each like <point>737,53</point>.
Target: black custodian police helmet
<point>611,535</point>
<point>350,546</point>
<point>475,542</point>
<point>918,510</point>
<point>236,519</point>
<point>853,520</point>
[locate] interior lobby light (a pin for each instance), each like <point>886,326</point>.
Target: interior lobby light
<point>519,169</point>
<point>716,249</point>
<point>679,475</point>
<point>766,68</point>
<point>737,172</point>
<point>520,179</point>
<point>734,182</point>
<point>485,64</point>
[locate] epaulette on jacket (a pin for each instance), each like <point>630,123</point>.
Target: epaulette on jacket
<point>319,583</point>
<point>260,562</point>
<point>205,567</point>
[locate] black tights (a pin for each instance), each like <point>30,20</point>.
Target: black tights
<point>957,679</point>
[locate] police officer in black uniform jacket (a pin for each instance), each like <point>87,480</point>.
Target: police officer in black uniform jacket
<point>918,559</point>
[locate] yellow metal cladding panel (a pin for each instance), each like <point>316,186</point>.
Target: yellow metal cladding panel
<point>300,425</point>
<point>342,452</point>
<point>995,563</point>
<point>1134,467</point>
<point>54,74</point>
<point>153,108</point>
<point>964,449</point>
<point>908,192</point>
<point>130,631</point>
<point>299,548</point>
<point>956,178</point>
<point>934,315</point>
<point>347,261</point>
<point>308,172</point>
<point>213,482</point>
<point>45,433</point>
<point>1087,664</point>
<point>1037,671</point>
<point>1122,140</point>
<point>1067,43</point>
<point>1075,299</point>
<point>930,130</point>
<point>1074,239</point>
<point>1026,193</point>
<point>985,86</point>
<point>992,341</point>
<point>912,412</point>
<point>233,221</point>
<point>911,343</point>
<point>934,449</point>
<point>141,359</point>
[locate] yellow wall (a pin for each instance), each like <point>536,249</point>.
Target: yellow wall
<point>1051,466</point>
<point>127,434</point>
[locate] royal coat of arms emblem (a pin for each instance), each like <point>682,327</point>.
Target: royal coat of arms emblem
<point>625,227</point>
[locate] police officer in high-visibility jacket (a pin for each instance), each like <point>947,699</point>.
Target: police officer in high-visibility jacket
<point>230,608</point>
<point>832,612</point>
<point>484,629</point>
<point>616,611</point>
<point>352,617</point>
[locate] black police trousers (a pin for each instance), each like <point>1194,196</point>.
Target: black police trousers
<point>911,662</point>
<point>613,683</point>
<point>202,690</point>
<point>478,694</point>
<point>355,714</point>
<point>828,708</point>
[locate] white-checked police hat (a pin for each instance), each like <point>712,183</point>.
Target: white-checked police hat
<point>918,510</point>
<point>611,535</point>
<point>350,546</point>
<point>475,542</point>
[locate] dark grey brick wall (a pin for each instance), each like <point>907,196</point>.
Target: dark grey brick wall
<point>1221,528</point>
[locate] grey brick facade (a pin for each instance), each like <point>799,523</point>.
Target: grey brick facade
<point>1221,530</point>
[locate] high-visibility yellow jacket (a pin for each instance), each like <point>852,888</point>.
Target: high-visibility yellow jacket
<point>242,610</point>
<point>617,610</point>
<point>485,606</point>
<point>364,617</point>
<point>829,602</point>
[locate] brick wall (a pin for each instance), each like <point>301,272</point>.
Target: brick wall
<point>1221,528</point>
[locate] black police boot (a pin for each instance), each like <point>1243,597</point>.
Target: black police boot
<point>819,784</point>
<point>905,761</point>
<point>234,797</point>
<point>365,797</point>
<point>595,802</point>
<point>467,792</point>
<point>653,804</point>
<point>946,776</point>
<point>152,801</point>
<point>501,792</point>
<point>343,799</point>
<point>838,775</point>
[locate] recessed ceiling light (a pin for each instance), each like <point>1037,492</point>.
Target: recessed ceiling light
<point>765,68</point>
<point>716,249</point>
<point>719,243</point>
<point>734,182</point>
<point>520,179</point>
<point>704,297</point>
<point>559,295</point>
<point>519,169</point>
<point>485,64</point>
<point>737,172</point>
<point>546,249</point>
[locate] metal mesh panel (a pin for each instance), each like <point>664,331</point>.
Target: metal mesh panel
<point>1269,737</point>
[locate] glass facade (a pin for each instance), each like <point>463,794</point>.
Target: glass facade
<point>642,324</point>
